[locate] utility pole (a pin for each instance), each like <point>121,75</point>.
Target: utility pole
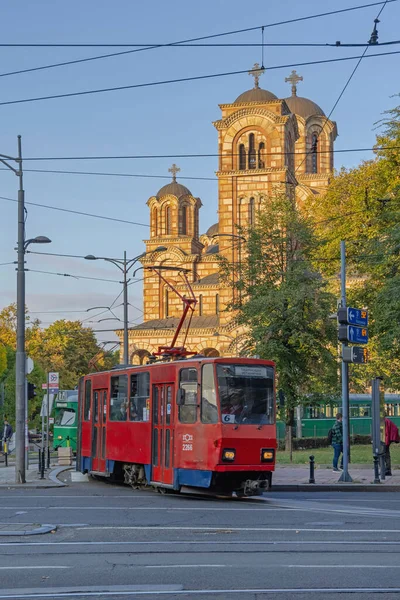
<point>126,342</point>
<point>345,476</point>
<point>20,367</point>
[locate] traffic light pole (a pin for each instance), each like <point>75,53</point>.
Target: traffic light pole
<point>345,476</point>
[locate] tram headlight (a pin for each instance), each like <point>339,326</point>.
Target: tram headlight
<point>59,437</point>
<point>228,454</point>
<point>267,455</point>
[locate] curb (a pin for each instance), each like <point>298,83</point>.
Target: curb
<point>51,482</point>
<point>349,487</point>
<point>46,528</point>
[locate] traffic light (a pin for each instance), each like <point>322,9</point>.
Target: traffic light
<point>31,391</point>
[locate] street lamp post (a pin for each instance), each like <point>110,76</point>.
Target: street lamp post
<point>125,265</point>
<point>20,363</point>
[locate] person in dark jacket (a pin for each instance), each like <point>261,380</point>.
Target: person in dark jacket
<point>7,432</point>
<point>391,435</point>
<point>337,442</point>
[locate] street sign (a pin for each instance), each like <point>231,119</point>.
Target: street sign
<point>354,334</point>
<point>43,410</point>
<point>53,379</point>
<point>29,365</point>
<point>355,354</point>
<point>353,316</point>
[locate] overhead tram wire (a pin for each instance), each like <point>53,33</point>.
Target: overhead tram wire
<point>193,78</point>
<point>78,212</point>
<point>159,156</point>
<point>171,44</point>
<point>360,58</point>
<point>206,37</point>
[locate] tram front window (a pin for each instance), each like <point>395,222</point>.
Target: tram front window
<point>65,417</point>
<point>246,394</point>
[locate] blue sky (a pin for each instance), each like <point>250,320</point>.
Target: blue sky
<point>168,119</point>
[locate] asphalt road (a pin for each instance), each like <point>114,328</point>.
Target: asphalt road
<point>113,542</point>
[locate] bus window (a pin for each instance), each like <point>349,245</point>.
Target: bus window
<point>88,397</point>
<point>119,398</point>
<point>139,397</point>
<point>209,410</point>
<point>188,382</point>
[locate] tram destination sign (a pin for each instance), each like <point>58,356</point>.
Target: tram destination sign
<point>353,334</point>
<point>353,316</point>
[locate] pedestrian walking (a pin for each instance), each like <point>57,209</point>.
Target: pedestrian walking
<point>337,442</point>
<point>7,433</point>
<point>391,436</point>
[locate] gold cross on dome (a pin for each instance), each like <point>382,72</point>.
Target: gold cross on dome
<point>294,80</point>
<point>174,170</point>
<point>256,72</point>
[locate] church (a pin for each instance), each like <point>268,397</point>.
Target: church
<point>264,143</point>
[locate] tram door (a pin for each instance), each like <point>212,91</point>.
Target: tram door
<point>162,434</point>
<point>99,413</point>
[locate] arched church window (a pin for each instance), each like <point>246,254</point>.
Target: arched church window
<point>251,212</point>
<point>242,158</point>
<point>201,305</point>
<point>155,222</point>
<point>168,220</point>
<point>217,304</point>
<point>166,302</point>
<point>184,224</point>
<point>261,155</point>
<point>252,152</point>
<point>314,153</point>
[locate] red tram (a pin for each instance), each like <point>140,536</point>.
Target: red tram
<point>199,423</point>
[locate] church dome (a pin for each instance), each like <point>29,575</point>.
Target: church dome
<point>256,95</point>
<point>213,230</point>
<point>174,188</point>
<point>303,107</point>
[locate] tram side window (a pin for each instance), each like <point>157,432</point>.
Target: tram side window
<point>119,398</point>
<point>88,396</point>
<point>139,397</point>
<point>209,410</point>
<point>188,382</point>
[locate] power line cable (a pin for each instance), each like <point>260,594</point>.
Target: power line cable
<point>172,44</point>
<point>186,79</point>
<point>73,276</point>
<point>206,37</point>
<point>176,156</point>
<point>63,172</point>
<point>77,212</point>
<point>360,58</point>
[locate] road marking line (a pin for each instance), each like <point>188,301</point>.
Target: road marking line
<point>206,543</point>
<point>182,566</point>
<point>158,508</point>
<point>228,528</point>
<point>203,592</point>
<point>35,567</point>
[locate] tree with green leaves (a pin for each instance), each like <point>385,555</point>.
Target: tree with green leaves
<point>362,207</point>
<point>282,302</point>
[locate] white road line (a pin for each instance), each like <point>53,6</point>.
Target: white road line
<point>206,543</point>
<point>225,528</point>
<point>203,592</point>
<point>157,508</point>
<point>182,566</point>
<point>35,567</point>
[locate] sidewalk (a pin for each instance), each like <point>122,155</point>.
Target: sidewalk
<point>295,478</point>
<point>7,477</point>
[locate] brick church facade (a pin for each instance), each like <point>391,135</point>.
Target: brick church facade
<point>264,144</point>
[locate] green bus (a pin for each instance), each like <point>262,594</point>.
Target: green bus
<point>65,419</point>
